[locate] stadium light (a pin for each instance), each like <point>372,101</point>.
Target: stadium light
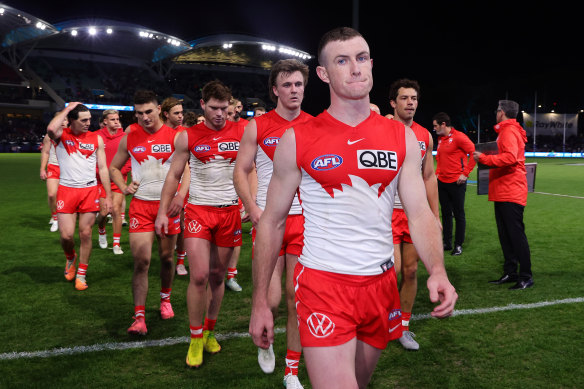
<point>227,45</point>
<point>74,32</point>
<point>1,11</point>
<point>109,31</point>
<point>92,31</point>
<point>41,26</point>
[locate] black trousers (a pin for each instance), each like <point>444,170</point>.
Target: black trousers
<point>509,217</point>
<point>451,198</point>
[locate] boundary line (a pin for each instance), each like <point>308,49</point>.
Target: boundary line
<point>233,335</point>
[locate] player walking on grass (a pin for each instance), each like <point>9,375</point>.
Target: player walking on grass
<point>150,145</point>
<point>212,219</point>
<point>345,164</point>
<point>79,153</point>
<point>287,82</point>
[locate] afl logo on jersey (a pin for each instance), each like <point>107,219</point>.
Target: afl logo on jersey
<point>326,162</point>
<point>271,141</point>
<point>202,148</point>
<point>139,149</point>
<point>377,159</point>
<point>228,146</point>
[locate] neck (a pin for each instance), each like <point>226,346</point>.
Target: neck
<point>154,128</point>
<point>350,112</point>
<point>112,131</point>
<point>288,114</point>
<point>406,122</point>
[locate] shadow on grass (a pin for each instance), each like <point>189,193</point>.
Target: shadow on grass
<point>38,274</point>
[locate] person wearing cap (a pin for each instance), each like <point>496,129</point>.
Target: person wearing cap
<point>508,190</point>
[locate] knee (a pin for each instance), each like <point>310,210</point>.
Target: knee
<point>199,279</point>
<point>216,276</point>
<point>410,272</point>
<point>141,265</point>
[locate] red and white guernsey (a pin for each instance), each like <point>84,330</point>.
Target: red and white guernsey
<point>347,190</point>
<point>423,137</point>
<point>151,158</point>
<point>77,156</point>
<point>53,155</point>
<point>270,127</point>
<point>212,161</point>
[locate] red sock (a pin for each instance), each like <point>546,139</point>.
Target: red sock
<point>209,324</point>
<point>81,271</point>
<point>292,361</point>
<point>165,294</point>
<point>101,231</point>
<point>139,311</point>
<point>231,272</point>
<point>117,238</point>
<point>196,331</point>
<point>180,257</point>
<point>54,215</point>
<point>406,316</point>
<point>70,256</point>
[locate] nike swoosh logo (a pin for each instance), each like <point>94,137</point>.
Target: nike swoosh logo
<point>236,240</point>
<point>150,141</point>
<point>216,138</point>
<point>394,328</point>
<point>352,142</point>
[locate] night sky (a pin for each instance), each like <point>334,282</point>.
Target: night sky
<point>466,56</point>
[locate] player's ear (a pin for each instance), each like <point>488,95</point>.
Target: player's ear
<point>275,90</point>
<point>322,74</point>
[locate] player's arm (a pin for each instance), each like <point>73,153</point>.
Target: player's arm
<point>177,203</point>
<point>244,170</point>
<point>270,231</point>
<point>115,169</point>
<point>430,181</point>
<point>55,127</point>
<point>104,174</point>
<point>45,151</point>
<point>424,229</point>
<point>507,155</point>
<point>177,167</point>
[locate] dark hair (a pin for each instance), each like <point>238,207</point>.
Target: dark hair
<point>189,119</point>
<point>403,83</point>
<point>216,90</point>
<point>286,66</point>
<point>509,107</point>
<point>74,113</point>
<point>145,97</point>
<point>338,34</point>
<point>442,117</point>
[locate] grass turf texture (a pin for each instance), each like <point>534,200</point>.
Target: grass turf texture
<point>538,347</point>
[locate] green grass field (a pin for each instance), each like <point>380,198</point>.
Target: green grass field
<point>497,338</point>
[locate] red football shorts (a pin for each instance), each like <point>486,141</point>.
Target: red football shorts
<point>53,171</point>
<point>77,200</point>
<point>334,308</point>
<point>115,188</point>
<point>293,236</point>
<point>219,225</point>
<point>100,190</point>
<point>143,216</point>
<point>399,227</point>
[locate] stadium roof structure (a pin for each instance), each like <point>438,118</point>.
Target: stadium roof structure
<point>238,50</point>
<point>18,27</point>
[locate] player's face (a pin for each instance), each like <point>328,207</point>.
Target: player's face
<point>231,113</point>
<point>81,124</point>
<point>499,114</point>
<point>347,68</point>
<point>147,115</point>
<point>440,129</point>
<point>112,121</point>
<point>289,89</point>
<point>259,113</point>
<point>215,112</point>
<point>238,106</point>
<point>405,104</point>
<point>200,119</point>
<point>175,116</point>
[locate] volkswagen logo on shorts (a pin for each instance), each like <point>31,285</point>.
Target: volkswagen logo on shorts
<point>326,162</point>
<point>60,204</point>
<point>320,325</point>
<point>139,149</point>
<point>134,223</point>
<point>194,227</point>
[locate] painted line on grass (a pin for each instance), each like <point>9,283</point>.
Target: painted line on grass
<point>473,183</point>
<point>233,335</point>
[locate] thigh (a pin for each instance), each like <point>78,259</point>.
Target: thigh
<point>67,223</point>
<point>332,367</point>
<point>141,244</point>
<point>198,254</point>
<point>52,186</point>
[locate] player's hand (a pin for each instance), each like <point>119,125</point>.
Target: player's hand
<point>254,215</point>
<point>476,155</point>
<point>43,175</point>
<point>261,326</point>
<point>109,204</point>
<point>132,188</point>
<point>462,179</point>
<point>176,205</point>
<point>161,225</point>
<point>442,290</point>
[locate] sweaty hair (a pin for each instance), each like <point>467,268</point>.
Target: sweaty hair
<point>74,113</point>
<point>442,117</point>
<point>286,66</point>
<point>168,104</point>
<point>216,90</point>
<point>145,97</point>
<point>403,83</point>
<point>338,34</point>
<point>107,112</point>
<point>509,107</point>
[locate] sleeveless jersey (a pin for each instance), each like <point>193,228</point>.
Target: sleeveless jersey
<point>423,137</point>
<point>77,155</point>
<point>151,156</point>
<point>347,189</point>
<point>53,155</point>
<point>270,127</point>
<point>212,161</point>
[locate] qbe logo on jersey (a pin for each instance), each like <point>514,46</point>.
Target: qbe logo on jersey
<point>377,159</point>
<point>86,146</point>
<point>228,146</point>
<point>163,148</point>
